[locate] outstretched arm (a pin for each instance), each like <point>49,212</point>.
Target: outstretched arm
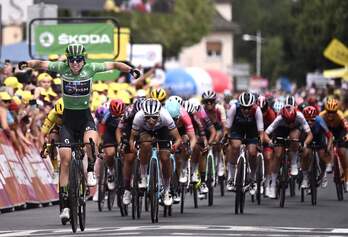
<point>35,64</point>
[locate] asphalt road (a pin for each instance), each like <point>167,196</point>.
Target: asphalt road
<point>328,218</point>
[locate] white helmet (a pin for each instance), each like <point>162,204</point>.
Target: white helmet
<point>246,99</point>
<point>290,100</point>
<point>278,105</point>
<point>189,107</point>
<point>209,95</point>
<point>151,107</point>
<point>176,98</point>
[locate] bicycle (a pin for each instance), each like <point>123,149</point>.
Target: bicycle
<point>185,187</point>
<point>173,185</point>
<point>314,174</point>
<point>338,174</point>
<point>137,194</point>
<point>260,176</point>
<point>284,174</point>
<point>77,184</point>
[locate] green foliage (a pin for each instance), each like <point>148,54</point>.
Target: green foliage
<point>185,26</point>
<point>295,32</point>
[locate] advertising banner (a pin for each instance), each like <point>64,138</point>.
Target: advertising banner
<point>53,39</point>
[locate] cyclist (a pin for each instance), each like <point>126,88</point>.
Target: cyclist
<point>123,132</point>
<point>186,130</point>
<point>268,117</point>
<point>76,75</point>
<point>159,94</point>
<point>288,123</point>
<point>155,121</point>
<point>51,126</point>
<point>338,125</point>
<point>244,121</point>
<point>217,115</point>
<point>107,130</point>
<point>322,137</point>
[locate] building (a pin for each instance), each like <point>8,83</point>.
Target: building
<point>215,51</point>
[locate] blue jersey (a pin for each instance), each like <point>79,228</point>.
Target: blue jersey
<point>319,128</point>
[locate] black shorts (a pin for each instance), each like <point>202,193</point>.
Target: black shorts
<point>161,134</point>
<point>109,137</point>
<point>247,133</point>
<point>339,134</point>
<point>75,124</point>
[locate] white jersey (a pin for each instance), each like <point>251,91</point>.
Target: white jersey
<point>300,122</point>
<point>165,120</point>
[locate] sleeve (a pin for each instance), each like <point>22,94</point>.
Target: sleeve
<point>303,122</point>
<point>187,121</point>
<point>230,115</point>
<point>199,124</point>
<point>222,112</point>
<point>323,126</point>
<point>138,120</point>
<point>56,66</point>
<point>49,122</point>
<point>98,67</point>
<point>167,119</point>
<point>274,125</point>
<point>259,119</point>
<point>343,120</point>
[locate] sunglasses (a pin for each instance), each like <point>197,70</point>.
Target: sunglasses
<point>6,101</point>
<point>151,117</point>
<point>209,101</point>
<point>331,112</point>
<point>77,59</point>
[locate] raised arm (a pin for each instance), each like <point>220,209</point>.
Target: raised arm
<point>35,64</point>
<point>123,68</point>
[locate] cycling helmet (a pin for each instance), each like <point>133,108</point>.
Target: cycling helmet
<point>246,99</point>
<point>302,106</point>
<point>312,100</point>
<point>310,112</point>
<point>75,50</point>
<point>189,107</point>
<point>151,107</point>
<point>173,107</point>
<point>100,112</point>
<point>290,100</point>
<point>117,107</point>
<point>288,113</point>
<point>137,106</point>
<point>209,95</point>
<point>331,105</point>
<point>176,98</point>
<point>59,106</point>
<point>263,103</point>
<point>159,94</point>
<point>277,106</point>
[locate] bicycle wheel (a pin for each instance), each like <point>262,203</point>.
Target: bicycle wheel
<point>210,180</point>
<point>292,182</point>
<point>283,182</point>
<point>119,186</point>
<point>102,186</point>
<point>337,179</point>
<point>135,190</point>
<point>259,177</point>
<point>239,198</point>
<point>153,193</point>
<point>82,198</point>
<point>313,179</point>
<point>195,188</point>
<point>182,197</point>
<point>73,193</point>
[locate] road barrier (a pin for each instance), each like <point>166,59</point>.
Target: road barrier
<point>24,180</point>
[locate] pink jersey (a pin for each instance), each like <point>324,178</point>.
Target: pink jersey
<point>185,121</point>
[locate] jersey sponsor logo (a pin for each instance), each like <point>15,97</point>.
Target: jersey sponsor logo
<point>64,39</point>
<point>76,88</point>
<point>66,141</point>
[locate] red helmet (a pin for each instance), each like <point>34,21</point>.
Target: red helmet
<point>310,112</point>
<point>312,100</point>
<point>288,113</point>
<point>117,107</point>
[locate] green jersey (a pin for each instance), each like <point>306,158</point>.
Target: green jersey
<point>76,89</point>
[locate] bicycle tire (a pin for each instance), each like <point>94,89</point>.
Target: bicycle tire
<point>284,176</point>
<point>195,194</point>
<point>259,177</point>
<point>222,185</point>
<point>313,180</point>
<point>102,187</point>
<point>292,184</point>
<point>238,206</point>
<point>337,179</point>
<point>73,194</point>
<point>119,186</point>
<point>182,197</point>
<point>82,198</point>
<point>302,194</point>
<point>153,182</point>
<point>210,180</point>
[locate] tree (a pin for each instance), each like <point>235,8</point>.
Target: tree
<point>185,26</point>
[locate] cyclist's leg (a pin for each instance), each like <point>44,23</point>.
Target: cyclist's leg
<point>91,180</point>
<point>54,135</point>
<point>293,151</point>
<point>305,163</point>
<point>196,157</point>
<point>268,157</point>
<point>145,155</point>
<point>235,142</point>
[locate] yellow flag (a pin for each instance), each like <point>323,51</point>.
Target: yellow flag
<point>337,73</point>
<point>337,52</point>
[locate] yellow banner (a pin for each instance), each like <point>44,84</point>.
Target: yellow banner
<point>336,73</point>
<point>124,41</point>
<point>337,52</point>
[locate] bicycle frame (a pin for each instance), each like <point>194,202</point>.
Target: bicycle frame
<point>210,156</point>
<point>154,158</point>
<point>246,167</point>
